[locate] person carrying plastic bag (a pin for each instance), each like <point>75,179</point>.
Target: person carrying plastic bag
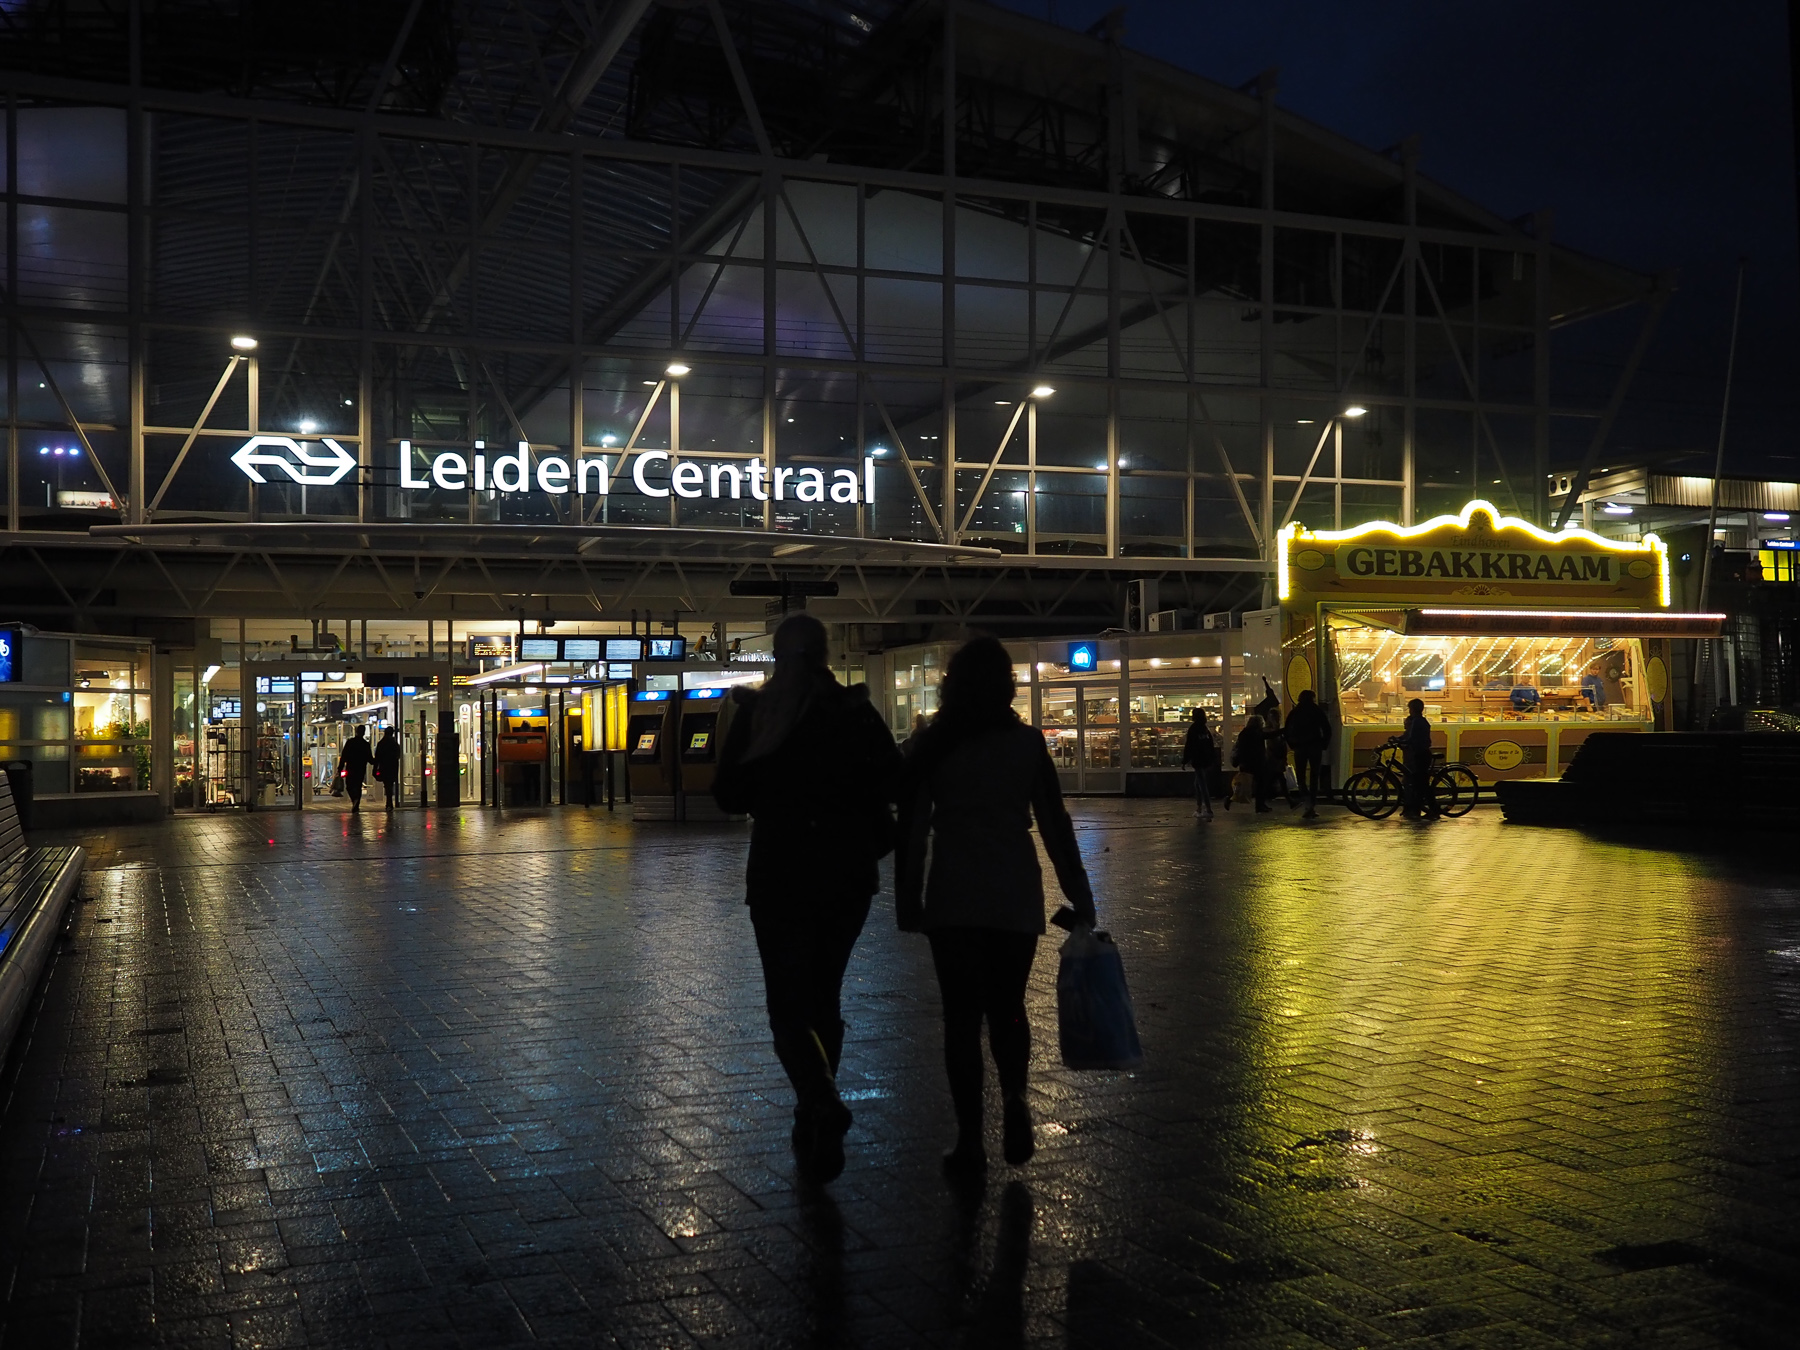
<point>974,779</point>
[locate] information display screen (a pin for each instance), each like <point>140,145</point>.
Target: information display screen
<point>699,740</point>
<point>622,671</point>
<point>9,656</point>
<point>646,743</point>
<point>581,649</point>
<point>539,649</point>
<point>667,649</point>
<point>624,649</point>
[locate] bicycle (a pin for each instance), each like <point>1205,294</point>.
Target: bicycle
<point>1376,793</point>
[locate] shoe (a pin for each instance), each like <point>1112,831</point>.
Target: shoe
<point>1309,814</point>
<point>1209,815</point>
<point>1264,808</point>
<point>1019,1141</point>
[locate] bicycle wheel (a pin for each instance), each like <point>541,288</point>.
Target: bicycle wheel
<point>1457,789</point>
<point>1372,795</point>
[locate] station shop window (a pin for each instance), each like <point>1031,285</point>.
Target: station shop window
<point>80,715</point>
<point>1488,678</point>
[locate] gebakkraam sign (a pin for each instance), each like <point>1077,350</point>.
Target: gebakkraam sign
<point>652,473</point>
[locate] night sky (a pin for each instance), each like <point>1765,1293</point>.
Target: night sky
<point>1661,134</point>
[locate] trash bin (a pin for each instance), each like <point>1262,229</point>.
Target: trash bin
<point>18,776</point>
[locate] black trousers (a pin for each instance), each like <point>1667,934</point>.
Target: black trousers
<point>353,784</point>
<point>391,786</point>
<point>1306,770</point>
<point>982,973</point>
<point>805,949</point>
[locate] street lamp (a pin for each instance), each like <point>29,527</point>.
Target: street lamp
<point>1042,391</point>
<point>676,369</point>
<point>243,342</point>
<point>1355,410</point>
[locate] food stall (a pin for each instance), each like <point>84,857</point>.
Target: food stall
<point>1520,642</point>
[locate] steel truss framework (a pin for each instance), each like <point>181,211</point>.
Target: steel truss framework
<point>884,258</point>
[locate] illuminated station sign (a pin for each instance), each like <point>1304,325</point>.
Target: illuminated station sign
<point>325,463</point>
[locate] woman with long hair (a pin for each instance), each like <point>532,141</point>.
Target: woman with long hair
<point>814,766</point>
<point>976,777</point>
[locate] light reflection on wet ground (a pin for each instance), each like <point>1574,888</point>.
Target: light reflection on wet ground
<point>453,1079</point>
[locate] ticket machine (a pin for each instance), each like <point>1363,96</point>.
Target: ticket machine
<point>524,756</point>
<point>651,731</point>
<point>705,719</point>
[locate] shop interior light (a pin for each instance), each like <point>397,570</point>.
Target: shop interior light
<point>1616,509</point>
<point>1775,515</point>
<point>210,672</point>
<point>1356,410</point>
<point>676,369</point>
<point>1042,391</point>
<point>243,342</point>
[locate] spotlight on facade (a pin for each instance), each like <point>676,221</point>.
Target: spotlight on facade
<point>243,342</point>
<point>1042,391</point>
<point>308,427</point>
<point>1355,410</point>
<point>676,369</point>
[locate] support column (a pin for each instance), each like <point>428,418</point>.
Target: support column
<point>247,719</point>
<point>1265,91</point>
<point>449,779</point>
<point>1542,223</point>
<point>1409,467</point>
<point>162,728</point>
<point>136,278</point>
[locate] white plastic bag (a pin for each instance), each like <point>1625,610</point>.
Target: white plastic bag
<point>1094,1019</point>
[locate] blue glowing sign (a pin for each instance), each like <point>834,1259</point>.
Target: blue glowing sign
<point>1084,656</point>
<point>9,656</point>
<point>650,696</point>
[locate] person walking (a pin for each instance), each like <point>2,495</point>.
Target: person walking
<point>1415,753</point>
<point>1307,732</point>
<point>815,767</point>
<point>387,766</point>
<point>1202,752</point>
<point>1247,757</point>
<point>976,778</point>
<point>354,765</point>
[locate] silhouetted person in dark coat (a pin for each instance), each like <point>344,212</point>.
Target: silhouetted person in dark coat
<point>815,767</point>
<point>1201,751</point>
<point>975,779</point>
<point>1415,754</point>
<point>1247,757</point>
<point>354,763</point>
<point>1307,733</point>
<point>387,765</point>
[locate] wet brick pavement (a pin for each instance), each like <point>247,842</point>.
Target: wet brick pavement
<point>459,1080</point>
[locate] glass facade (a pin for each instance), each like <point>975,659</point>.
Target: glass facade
<point>79,715</point>
<point>1118,726</point>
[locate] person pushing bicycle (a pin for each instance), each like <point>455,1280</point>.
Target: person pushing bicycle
<point>1415,748</point>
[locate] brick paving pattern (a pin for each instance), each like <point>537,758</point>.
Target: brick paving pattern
<point>457,1079</point>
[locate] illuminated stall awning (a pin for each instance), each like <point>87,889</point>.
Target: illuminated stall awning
<point>1556,623</point>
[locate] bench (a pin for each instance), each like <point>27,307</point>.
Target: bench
<point>36,885</point>
<point>1739,779</point>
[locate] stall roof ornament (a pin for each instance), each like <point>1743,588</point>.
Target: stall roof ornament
<point>1477,557</point>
